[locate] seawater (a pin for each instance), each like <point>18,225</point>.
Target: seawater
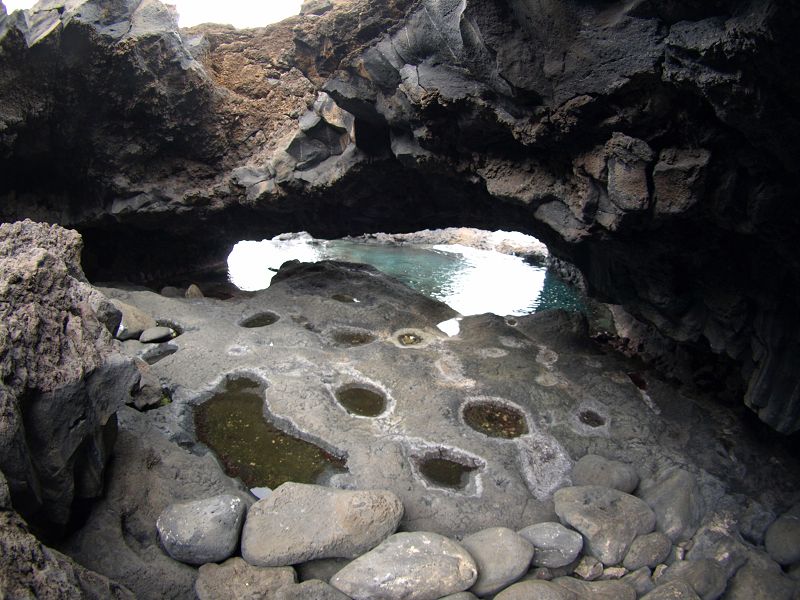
<point>469,280</point>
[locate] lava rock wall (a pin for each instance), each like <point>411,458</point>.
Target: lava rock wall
<point>652,144</point>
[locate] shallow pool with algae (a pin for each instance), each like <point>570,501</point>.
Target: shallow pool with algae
<point>232,424</point>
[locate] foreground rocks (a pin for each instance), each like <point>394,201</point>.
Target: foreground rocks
<point>62,378</point>
<point>298,523</point>
<point>417,566</point>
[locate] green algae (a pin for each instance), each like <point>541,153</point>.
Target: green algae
<point>232,424</point>
<point>361,401</point>
<point>495,419</point>
<point>445,473</point>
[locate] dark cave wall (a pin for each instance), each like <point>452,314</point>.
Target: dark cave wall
<point>652,144</point>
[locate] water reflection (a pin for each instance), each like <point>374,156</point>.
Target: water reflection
<point>469,280</point>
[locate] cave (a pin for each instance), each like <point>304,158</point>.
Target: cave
<point>652,146</point>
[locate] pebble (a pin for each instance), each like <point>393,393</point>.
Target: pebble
<point>411,566</point>
<point>608,519</point>
<point>156,335</point>
<point>502,556</point>
<point>554,545</point>
<point>202,531</point>
<point>647,551</point>
<point>300,522</point>
<point>589,568</point>
<point>593,469</point>
<point>676,500</point>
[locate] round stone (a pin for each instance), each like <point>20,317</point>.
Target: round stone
<point>554,545</point>
<point>202,531</point>
<point>783,538</point>
<point>156,335</point>
<point>647,551</point>
<point>502,555</point>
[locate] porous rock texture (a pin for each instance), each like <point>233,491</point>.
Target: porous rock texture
<point>62,380</point>
<point>653,145</point>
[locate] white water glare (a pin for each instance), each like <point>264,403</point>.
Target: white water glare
<point>491,282</point>
<point>239,13</point>
<point>251,265</point>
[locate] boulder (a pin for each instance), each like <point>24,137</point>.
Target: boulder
<point>782,539</point>
<point>541,590</point>
<point>62,378</point>
<point>676,500</point>
<point>597,470</point>
<point>597,590</point>
<point>202,531</point>
<point>608,519</point>
<point>412,566</point>
<point>757,581</point>
<point>588,568</point>
<point>554,545</point>
<point>502,556</point>
<point>647,551</point>
<point>706,577</point>
<point>236,580</point>
<point>300,522</point>
<point>674,590</point>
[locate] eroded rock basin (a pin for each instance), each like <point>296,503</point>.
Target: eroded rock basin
<point>471,431</point>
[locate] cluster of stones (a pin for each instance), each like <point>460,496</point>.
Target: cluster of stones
<point>135,324</point>
<point>609,544</point>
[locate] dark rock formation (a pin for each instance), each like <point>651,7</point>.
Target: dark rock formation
<point>62,382</point>
<point>653,145</point>
<point>31,570</point>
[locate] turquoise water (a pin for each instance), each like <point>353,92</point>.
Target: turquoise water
<point>470,281</point>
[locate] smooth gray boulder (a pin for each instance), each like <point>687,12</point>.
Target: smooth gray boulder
<point>300,522</point>
<point>412,566</point>
<point>782,539</point>
<point>647,551</point>
<point>502,556</point>
<point>676,500</point>
<point>236,580</point>
<point>593,469</point>
<point>202,531</point>
<point>540,590</point>
<point>706,577</point>
<point>608,519</point>
<point>134,321</point>
<point>554,545</point>
<point>156,335</point>
<point>460,596</point>
<point>597,590</point>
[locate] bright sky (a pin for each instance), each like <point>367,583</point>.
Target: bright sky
<point>239,13</point>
